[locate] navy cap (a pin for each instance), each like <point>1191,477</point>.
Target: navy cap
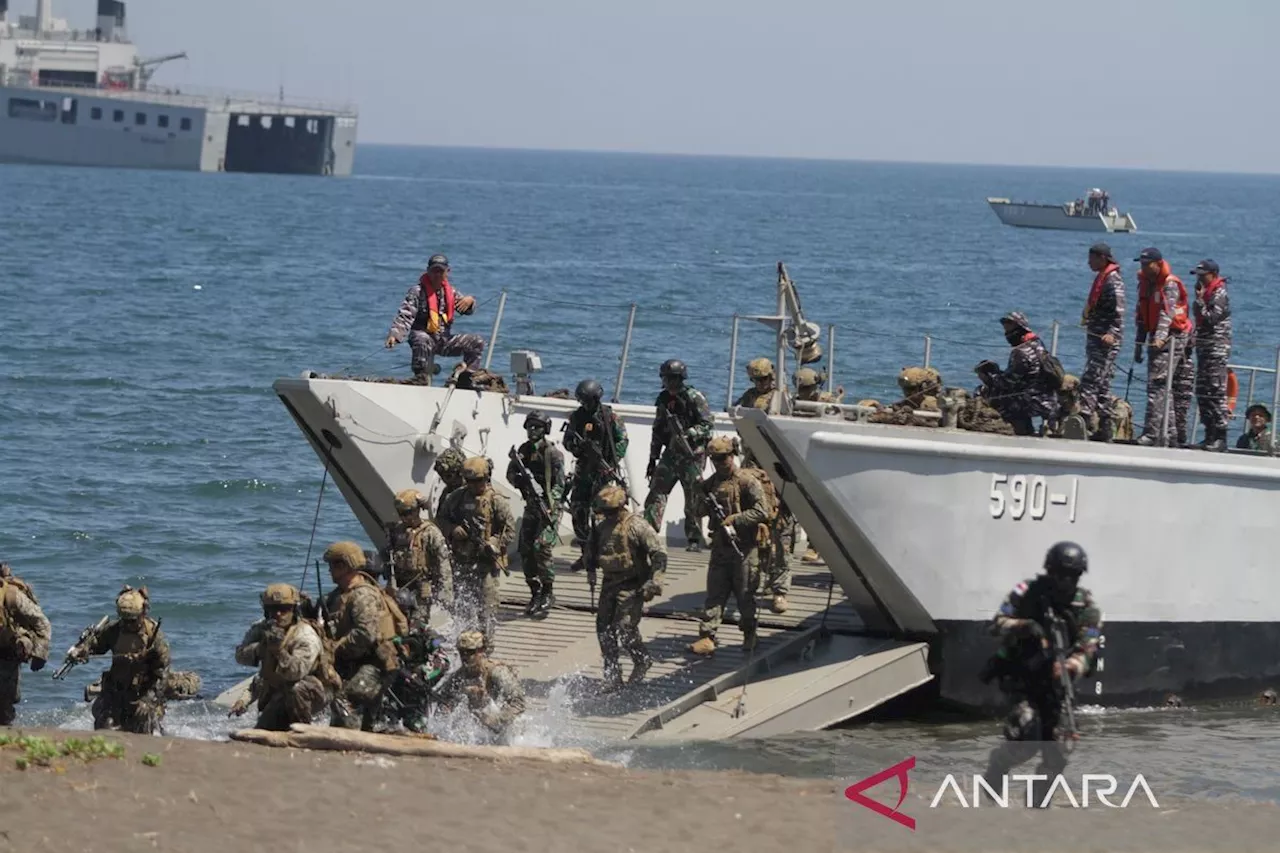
<point>1149,254</point>
<point>1101,249</point>
<point>438,261</point>
<point>1205,266</point>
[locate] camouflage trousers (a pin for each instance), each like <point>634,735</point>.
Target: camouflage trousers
<point>10,690</point>
<point>1031,727</point>
<point>1158,363</point>
<point>1095,383</point>
<point>359,703</point>
<point>580,497</point>
<point>127,711</point>
<point>672,469</point>
<point>300,702</point>
<point>475,600</point>
<point>775,563</point>
<point>729,574</point>
<point>534,543</point>
<point>467,347</point>
<point>1211,384</point>
<point>618,624</point>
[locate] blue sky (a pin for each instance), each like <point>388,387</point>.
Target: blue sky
<point>1174,84</point>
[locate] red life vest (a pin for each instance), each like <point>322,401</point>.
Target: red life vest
<point>1151,302</point>
<point>1212,287</point>
<point>438,321</point>
<point>1096,290</point>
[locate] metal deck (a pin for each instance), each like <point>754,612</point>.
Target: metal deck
<point>799,677</point>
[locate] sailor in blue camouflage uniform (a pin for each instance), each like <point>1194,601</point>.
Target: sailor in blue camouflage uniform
<point>669,460</point>
<point>1103,320</point>
<point>427,316</point>
<point>1027,668</point>
<point>1213,350</point>
<point>1021,391</point>
<point>1164,325</point>
<point>537,536</point>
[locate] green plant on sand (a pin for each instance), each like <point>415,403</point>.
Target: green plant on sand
<point>43,751</point>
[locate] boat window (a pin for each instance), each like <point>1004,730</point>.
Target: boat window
<point>289,121</point>
<point>117,116</point>
<point>162,121</point>
<point>266,122</point>
<point>185,124</point>
<point>313,125</point>
<point>243,121</point>
<point>33,110</point>
<point>69,110</point>
<point>96,113</point>
<point>140,119</point>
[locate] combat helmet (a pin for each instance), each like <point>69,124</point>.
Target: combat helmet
<point>471,641</point>
<point>476,468</point>
<point>759,368</point>
<point>722,445</point>
<point>449,463</point>
<point>539,419</point>
<point>409,500</point>
<point>611,497</point>
<point>1066,559</point>
<point>589,391</point>
<point>280,595</point>
<point>807,377</point>
<point>346,552</point>
<point>132,603</point>
<point>673,367</point>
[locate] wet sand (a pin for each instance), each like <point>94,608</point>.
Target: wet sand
<point>210,797</point>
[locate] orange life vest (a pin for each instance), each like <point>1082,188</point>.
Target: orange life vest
<point>1151,302</point>
<point>438,321</point>
<point>1096,290</point>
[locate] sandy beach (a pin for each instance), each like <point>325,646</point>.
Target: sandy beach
<point>211,797</point>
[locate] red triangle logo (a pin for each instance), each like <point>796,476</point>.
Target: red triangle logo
<point>899,770</point>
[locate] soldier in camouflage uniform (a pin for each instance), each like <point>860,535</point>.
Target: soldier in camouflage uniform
<point>1021,391</point>
<point>734,563</point>
<point>363,624</point>
<point>1027,670</point>
<point>775,565</point>
<point>24,638</point>
<point>490,688</point>
<point>427,316</point>
<point>296,680</point>
<point>809,387</point>
<point>132,697</point>
<point>760,396</point>
<point>633,561</point>
<point>448,468</point>
<point>479,525</point>
<point>1257,435</point>
<point>1103,319</point>
<point>539,532</point>
<point>597,438</point>
<point>677,453</point>
<point>1213,350</point>
<point>418,555</point>
<point>1164,326</point>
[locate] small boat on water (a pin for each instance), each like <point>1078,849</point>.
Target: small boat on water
<point>1091,213</point>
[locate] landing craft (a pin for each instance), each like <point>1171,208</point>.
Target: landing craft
<point>1092,213</point>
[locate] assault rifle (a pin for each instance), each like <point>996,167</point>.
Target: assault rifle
<point>1057,635</point>
<point>597,455</point>
<point>529,487</point>
<point>87,638</point>
<point>475,534</point>
<point>677,429</point>
<point>719,516</point>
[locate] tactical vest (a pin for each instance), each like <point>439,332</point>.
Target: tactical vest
<point>128,655</point>
<point>480,508</point>
<point>616,559</point>
<point>391,623</point>
<point>409,553</point>
<point>322,669</point>
<point>764,535</point>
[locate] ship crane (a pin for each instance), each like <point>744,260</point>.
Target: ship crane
<point>146,68</point>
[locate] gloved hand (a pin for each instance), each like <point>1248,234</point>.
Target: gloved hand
<point>273,635</point>
<point>648,471</point>
<point>459,534</point>
<point>392,340</point>
<point>491,544</point>
<point>1137,352</point>
<point>651,590</point>
<point>37,664</point>
<point>25,648</point>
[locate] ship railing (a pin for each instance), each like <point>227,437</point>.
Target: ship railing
<point>190,96</point>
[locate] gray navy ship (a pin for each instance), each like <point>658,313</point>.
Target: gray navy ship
<point>84,97</point>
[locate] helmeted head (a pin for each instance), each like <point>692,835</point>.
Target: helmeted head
<point>409,502</point>
<point>611,499</point>
<point>722,450</point>
<point>1065,562</point>
<point>280,602</point>
<point>449,465</point>
<point>536,425</point>
<point>760,371</point>
<point>1016,326</point>
<point>345,560</point>
<point>475,471</point>
<point>471,646</point>
<point>132,604</point>
<point>673,373</point>
<point>589,394</point>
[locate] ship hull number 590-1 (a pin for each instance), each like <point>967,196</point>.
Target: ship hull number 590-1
<point>1031,496</point>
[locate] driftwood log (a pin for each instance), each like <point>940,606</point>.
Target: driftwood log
<point>303,736</point>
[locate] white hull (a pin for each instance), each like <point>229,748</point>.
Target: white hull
<point>1055,217</point>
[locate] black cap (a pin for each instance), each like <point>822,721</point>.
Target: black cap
<point>1149,254</point>
<point>1100,249</point>
<point>438,261</point>
<point>1205,266</point>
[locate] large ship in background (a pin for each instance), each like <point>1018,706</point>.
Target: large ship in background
<point>84,97</point>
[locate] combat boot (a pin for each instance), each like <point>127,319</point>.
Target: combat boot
<point>612,678</point>
<point>1215,441</point>
<point>641,666</point>
<point>703,646</point>
<point>779,603</point>
<point>535,595</point>
<point>544,603</point>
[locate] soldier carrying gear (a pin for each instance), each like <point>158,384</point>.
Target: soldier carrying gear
<point>677,453</point>
<point>479,526</point>
<point>448,468</point>
<point>427,316</point>
<point>736,505</point>
<point>491,689</point>
<point>537,471</point>
<point>1031,669</point>
<point>418,555</point>
<point>296,679</point>
<point>1024,389</point>
<point>633,561</point>
<point>363,621</point>
<point>775,568</point>
<point>132,697</point>
<point>24,638</point>
<point>597,438</point>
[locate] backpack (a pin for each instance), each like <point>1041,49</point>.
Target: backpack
<point>1052,370</point>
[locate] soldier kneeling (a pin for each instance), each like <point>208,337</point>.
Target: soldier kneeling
<point>492,689</point>
<point>296,679</point>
